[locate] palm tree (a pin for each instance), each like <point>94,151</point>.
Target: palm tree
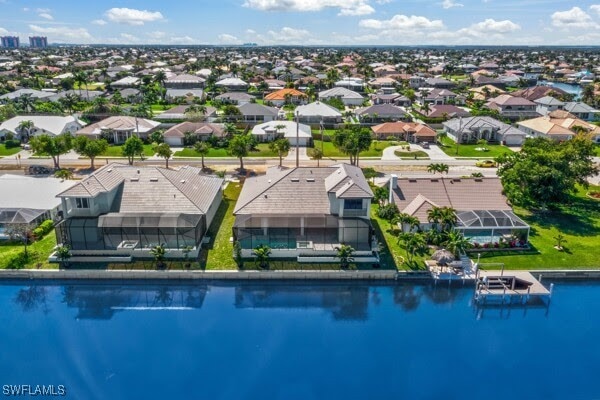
<point>280,146</point>
<point>345,254</point>
<point>262,253</point>
<point>65,174</point>
<point>163,150</point>
<point>230,129</point>
<point>81,79</point>
<point>434,216</point>
<point>448,218</point>
<point>26,125</point>
<point>413,243</point>
<point>278,128</point>
<point>560,240</point>
<point>438,167</point>
<point>457,243</point>
<point>159,252</point>
<point>406,219</point>
<point>69,101</point>
<point>26,102</point>
<point>202,148</point>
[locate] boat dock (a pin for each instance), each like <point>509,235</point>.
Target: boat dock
<point>519,286</point>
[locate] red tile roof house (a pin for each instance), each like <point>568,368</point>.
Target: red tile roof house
<point>305,213</point>
<point>280,97</point>
<point>408,131</point>
<point>483,213</point>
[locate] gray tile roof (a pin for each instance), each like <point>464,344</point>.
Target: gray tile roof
<point>151,189</point>
<point>302,190</point>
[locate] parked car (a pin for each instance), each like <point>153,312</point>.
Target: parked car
<point>37,170</point>
<point>486,164</point>
<point>425,145</point>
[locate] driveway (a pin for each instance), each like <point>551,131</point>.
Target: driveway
<point>292,154</point>
<point>434,152</point>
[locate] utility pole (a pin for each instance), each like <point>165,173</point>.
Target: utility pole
<point>297,140</point>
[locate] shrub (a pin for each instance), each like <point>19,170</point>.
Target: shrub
<point>388,212</point>
<point>11,144</point>
<point>43,229</point>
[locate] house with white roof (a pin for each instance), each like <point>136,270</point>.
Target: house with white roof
<point>317,112</point>
<point>347,96</point>
<point>52,125</point>
<point>232,84</point>
<point>29,200</point>
<point>269,131</point>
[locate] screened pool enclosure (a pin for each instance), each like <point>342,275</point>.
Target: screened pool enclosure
<point>132,231</point>
<point>485,226</point>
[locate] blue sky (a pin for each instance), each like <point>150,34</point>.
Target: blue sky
<point>311,22</point>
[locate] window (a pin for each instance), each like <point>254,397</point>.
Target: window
<point>82,202</point>
<point>353,204</point>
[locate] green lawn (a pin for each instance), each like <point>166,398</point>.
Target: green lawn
<point>391,253</point>
<point>116,151</point>
<point>579,222</point>
<point>597,148</point>
<point>90,86</point>
<point>8,152</point>
<point>411,154</point>
<point>219,252</point>
<point>12,255</point>
<point>376,149</point>
<point>468,150</point>
<point>262,150</point>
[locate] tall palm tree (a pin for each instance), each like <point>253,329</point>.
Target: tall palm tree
<point>280,146</point>
<point>202,148</point>
<point>262,253</point>
<point>81,79</point>
<point>448,218</point>
<point>26,102</point>
<point>230,129</point>
<point>413,243</point>
<point>434,216</point>
<point>27,126</point>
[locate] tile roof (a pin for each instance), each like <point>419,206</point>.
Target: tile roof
<point>198,128</point>
<point>302,190</point>
<point>120,123</point>
<point>282,93</point>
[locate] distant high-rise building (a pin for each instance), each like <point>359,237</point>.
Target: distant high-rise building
<point>38,42</point>
<point>10,42</point>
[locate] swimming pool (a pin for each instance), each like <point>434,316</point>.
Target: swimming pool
<point>290,341</point>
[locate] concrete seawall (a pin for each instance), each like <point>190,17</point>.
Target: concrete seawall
<point>259,275</point>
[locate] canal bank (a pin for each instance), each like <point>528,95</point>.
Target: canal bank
<point>123,275</point>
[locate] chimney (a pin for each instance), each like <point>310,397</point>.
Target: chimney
<point>393,186</point>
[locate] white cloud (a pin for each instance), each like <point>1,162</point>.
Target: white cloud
<point>99,22</point>
<point>25,9</point>
<point>450,4</point>
<point>3,31</point>
<point>129,38</point>
<point>63,33</point>
<point>289,35</point>
<point>573,18</point>
<point>346,7</point>
<point>46,16</point>
<point>595,8</point>
<point>42,10</point>
<point>490,26</point>
<point>131,16</point>
<point>183,40</point>
<point>402,23</point>
<point>225,38</point>
<point>156,35</point>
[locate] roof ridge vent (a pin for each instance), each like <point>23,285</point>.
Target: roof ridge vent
<point>153,179</point>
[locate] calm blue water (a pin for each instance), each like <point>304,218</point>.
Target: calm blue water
<point>277,341</point>
<point>572,89</point>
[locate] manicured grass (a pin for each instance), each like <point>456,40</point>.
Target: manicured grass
<point>578,221</point>
<point>12,254</point>
<point>218,254</point>
<point>116,151</point>
<point>411,154</point>
<point>8,152</point>
<point>376,149</point>
<point>391,253</point>
<point>597,149</point>
<point>262,150</point>
<point>90,86</point>
<point>468,150</point>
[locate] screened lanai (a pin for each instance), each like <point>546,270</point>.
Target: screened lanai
<point>134,231</point>
<point>491,226</point>
<point>32,217</point>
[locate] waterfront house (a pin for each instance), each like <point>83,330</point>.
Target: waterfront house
<point>237,98</point>
<point>118,129</point>
<point>545,105</point>
<point>392,98</point>
<point>537,92</point>
<point>286,96</point>
<point>179,113</point>
<point>120,212</point>
<point>483,213</point>
<point>29,200</point>
<point>472,129</point>
<point>582,111</point>
<point>184,81</point>
<point>306,213</point>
